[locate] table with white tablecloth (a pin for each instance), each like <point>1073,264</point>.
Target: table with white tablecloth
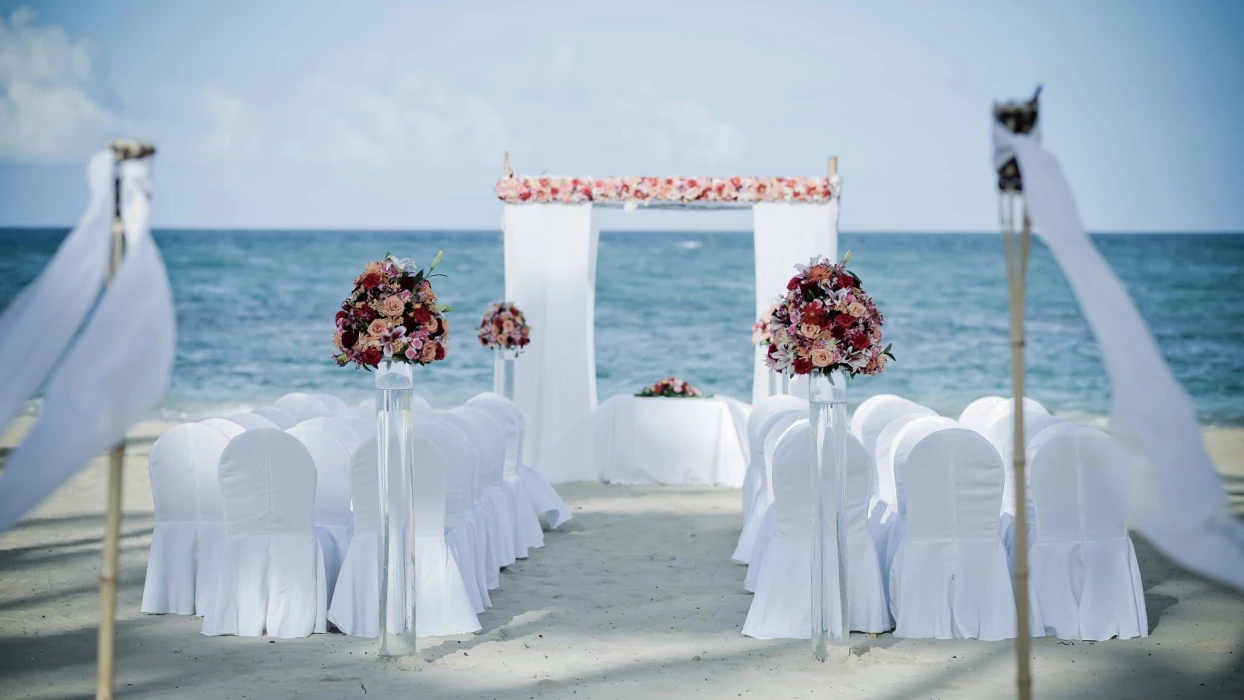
<point>639,440</point>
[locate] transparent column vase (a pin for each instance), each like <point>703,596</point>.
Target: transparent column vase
<point>827,404</point>
<point>503,372</point>
<point>395,448</point>
<point>773,383</point>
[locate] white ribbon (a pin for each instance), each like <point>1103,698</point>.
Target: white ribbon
<point>1178,500</point>
<point>112,376</point>
<point>39,323</point>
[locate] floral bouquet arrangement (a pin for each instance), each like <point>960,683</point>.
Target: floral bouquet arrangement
<point>504,328</point>
<point>673,388</point>
<point>826,322</point>
<point>760,329</point>
<point>392,314</point>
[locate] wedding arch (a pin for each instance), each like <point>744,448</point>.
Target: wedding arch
<point>551,235</point>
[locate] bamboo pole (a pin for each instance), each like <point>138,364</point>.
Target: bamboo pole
<point>1017,277</point>
<point>112,514</point>
<point>122,150</point>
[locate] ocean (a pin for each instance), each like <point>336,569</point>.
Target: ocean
<point>255,313</point>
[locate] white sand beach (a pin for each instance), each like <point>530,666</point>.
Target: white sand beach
<point>634,598</point>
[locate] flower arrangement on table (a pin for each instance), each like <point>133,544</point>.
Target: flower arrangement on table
<point>640,190</point>
<point>504,328</point>
<point>826,322</point>
<point>673,388</point>
<point>392,314</point>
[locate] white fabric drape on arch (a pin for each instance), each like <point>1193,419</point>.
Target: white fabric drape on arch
<point>550,273</point>
<point>786,234</point>
<point>112,376</point>
<point>1178,500</point>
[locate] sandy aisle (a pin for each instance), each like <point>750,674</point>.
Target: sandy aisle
<point>636,598</point>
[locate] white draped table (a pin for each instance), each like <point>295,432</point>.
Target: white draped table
<point>669,441</point>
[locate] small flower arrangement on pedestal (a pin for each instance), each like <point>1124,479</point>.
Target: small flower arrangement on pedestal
<point>504,328</point>
<point>826,322</point>
<point>760,329</point>
<point>392,314</point>
<point>672,388</point>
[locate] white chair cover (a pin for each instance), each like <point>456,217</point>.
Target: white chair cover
<point>1006,408</point>
<point>367,408</point>
<point>891,521</point>
<point>226,427</point>
<point>876,412</point>
<point>270,570</point>
<point>250,420</point>
<point>781,607</point>
<point>334,522</point>
<point>486,568</point>
<point>421,405</point>
<point>974,416</point>
<point>302,406</point>
<point>499,517</point>
<point>335,406</point>
<point>188,523</point>
<point>461,530</point>
<point>949,577</point>
<point>364,428</point>
<point>755,479</point>
<point>527,532</point>
<point>1001,434</point>
<point>866,589</point>
<point>773,430</point>
<point>882,505</point>
<point>443,606</point>
<point>1085,580</point>
<point>549,505</point>
<point>282,418</point>
<point>338,427</point>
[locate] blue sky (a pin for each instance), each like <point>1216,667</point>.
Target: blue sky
<point>395,114</point>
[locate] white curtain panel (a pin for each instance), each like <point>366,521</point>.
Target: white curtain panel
<point>115,373</point>
<point>31,339</point>
<point>550,273</point>
<point>1178,501</point>
<point>787,234</point>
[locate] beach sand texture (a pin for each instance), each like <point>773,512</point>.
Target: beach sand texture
<point>635,598</point>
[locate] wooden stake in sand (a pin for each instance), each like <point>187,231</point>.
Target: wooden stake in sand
<point>122,151</point>
<point>1019,118</point>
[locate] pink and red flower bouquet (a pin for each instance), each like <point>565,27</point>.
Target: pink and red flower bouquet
<point>392,314</point>
<point>760,329</point>
<point>673,388</point>
<point>826,322</point>
<point>504,327</point>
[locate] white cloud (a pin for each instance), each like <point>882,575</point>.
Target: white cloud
<point>563,63</point>
<point>231,131</point>
<point>48,108</point>
<point>670,128</point>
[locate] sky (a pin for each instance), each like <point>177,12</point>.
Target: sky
<point>395,115</point>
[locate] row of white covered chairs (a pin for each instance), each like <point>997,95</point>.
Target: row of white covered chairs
<point>269,520</point>
<point>938,512</point>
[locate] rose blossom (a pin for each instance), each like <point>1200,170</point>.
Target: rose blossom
<point>821,357</point>
<point>371,280</point>
<point>432,325</point>
<point>378,328</point>
<point>428,353</point>
<point>856,309</point>
<point>392,306</point>
<point>507,326</point>
<point>810,330</point>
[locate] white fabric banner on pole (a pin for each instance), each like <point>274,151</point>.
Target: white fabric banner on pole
<point>1178,500</point>
<point>40,322</point>
<point>550,273</point>
<point>113,375</point>
<point>787,234</point>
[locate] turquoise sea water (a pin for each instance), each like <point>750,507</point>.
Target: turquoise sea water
<point>255,313</point>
